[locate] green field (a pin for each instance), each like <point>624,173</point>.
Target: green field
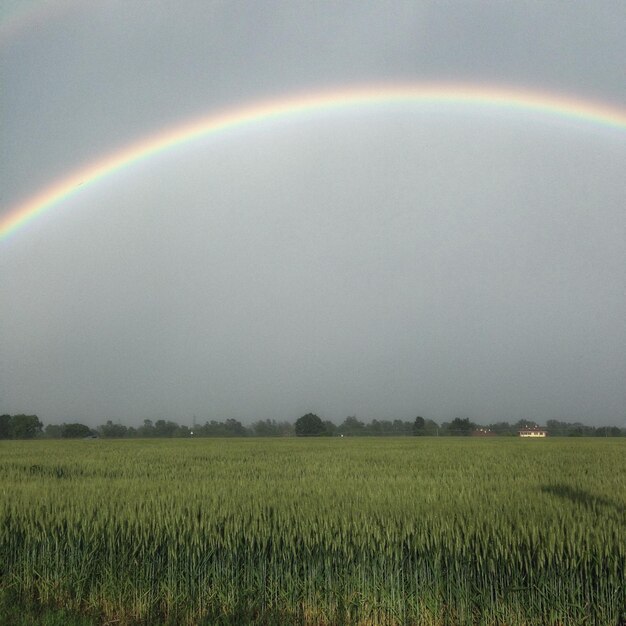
<point>313,531</point>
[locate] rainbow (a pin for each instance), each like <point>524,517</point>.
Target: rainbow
<point>588,112</point>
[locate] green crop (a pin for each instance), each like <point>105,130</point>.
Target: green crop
<point>318,531</point>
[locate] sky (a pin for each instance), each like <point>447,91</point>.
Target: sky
<point>382,261</point>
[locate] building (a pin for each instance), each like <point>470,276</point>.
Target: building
<point>483,432</point>
<point>533,433</point>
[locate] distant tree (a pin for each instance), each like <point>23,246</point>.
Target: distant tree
<point>330,429</point>
<point>229,428</point>
<point>211,429</point>
<point>113,431</point>
<point>235,428</point>
<point>352,426</point>
<point>607,431</point>
<point>309,425</point>
<point>53,431</point>
<point>287,429</point>
<point>419,426</point>
<point>502,428</point>
<point>555,427</point>
<point>163,428</point>
<point>431,428</point>
<point>374,428</point>
<point>25,426</point>
<point>586,431</point>
<point>581,430</point>
<point>558,428</point>
<point>182,432</point>
<point>75,431</point>
<point>461,427</point>
<point>271,428</point>
<point>266,428</point>
<point>5,426</point>
<point>147,430</point>
<point>381,427</point>
<point>401,427</point>
<point>525,425</point>
<point>396,427</point>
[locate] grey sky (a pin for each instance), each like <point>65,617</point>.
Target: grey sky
<point>385,262</point>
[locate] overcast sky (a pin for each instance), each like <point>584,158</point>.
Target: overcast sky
<point>382,262</point>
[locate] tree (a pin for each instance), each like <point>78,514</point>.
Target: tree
<point>113,430</point>
<point>287,429</point>
<point>75,431</point>
<point>25,426</point>
<point>525,425</point>
<point>431,428</point>
<point>147,430</point>
<point>53,431</point>
<point>374,427</point>
<point>272,428</point>
<point>266,428</point>
<point>211,429</point>
<point>182,431</point>
<point>502,428</point>
<point>400,427</point>
<point>382,427</point>
<point>418,426</point>
<point>5,427</point>
<point>163,428</point>
<point>352,426</point>
<point>330,429</point>
<point>309,425</point>
<point>461,427</point>
<point>607,431</point>
<point>235,428</point>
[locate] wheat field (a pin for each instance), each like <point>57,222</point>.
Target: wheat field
<point>423,531</point>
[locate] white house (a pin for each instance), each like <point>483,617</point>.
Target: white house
<point>533,432</point>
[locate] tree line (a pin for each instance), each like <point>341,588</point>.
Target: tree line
<point>309,425</point>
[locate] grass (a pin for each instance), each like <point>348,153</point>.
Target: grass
<point>315,531</point>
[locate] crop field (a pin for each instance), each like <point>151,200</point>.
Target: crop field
<point>424,531</point>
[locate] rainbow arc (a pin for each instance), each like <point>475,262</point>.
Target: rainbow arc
<point>588,112</point>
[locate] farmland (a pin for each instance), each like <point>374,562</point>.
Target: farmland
<point>316,531</point>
